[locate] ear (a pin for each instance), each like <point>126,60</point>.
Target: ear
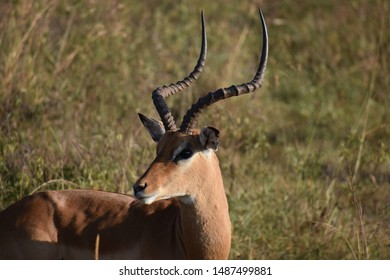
<point>154,127</point>
<point>209,138</point>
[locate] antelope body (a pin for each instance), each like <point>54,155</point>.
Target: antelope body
<point>179,209</point>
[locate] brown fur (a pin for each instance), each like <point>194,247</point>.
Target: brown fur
<point>66,224</point>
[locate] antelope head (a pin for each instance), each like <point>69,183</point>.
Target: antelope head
<point>186,165</point>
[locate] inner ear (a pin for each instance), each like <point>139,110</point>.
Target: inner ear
<point>209,138</point>
<point>154,127</point>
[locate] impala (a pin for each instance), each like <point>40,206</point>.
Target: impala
<point>179,209</point>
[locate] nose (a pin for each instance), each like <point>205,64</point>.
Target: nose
<point>138,188</point>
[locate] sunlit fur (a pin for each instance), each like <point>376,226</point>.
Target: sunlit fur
<point>188,220</point>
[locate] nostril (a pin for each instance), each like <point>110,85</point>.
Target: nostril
<point>138,188</point>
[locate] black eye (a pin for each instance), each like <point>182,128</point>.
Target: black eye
<point>185,154</point>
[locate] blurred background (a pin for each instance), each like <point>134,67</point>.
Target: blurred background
<point>305,159</point>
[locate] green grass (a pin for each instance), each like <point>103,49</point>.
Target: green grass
<point>305,160</point>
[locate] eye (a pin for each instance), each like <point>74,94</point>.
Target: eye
<point>185,154</point>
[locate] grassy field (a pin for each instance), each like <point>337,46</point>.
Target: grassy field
<point>305,160</point>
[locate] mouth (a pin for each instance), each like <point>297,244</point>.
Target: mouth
<point>147,199</point>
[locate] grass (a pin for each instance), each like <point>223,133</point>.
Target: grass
<point>306,160</point>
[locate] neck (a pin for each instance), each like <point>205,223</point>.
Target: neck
<point>205,222</point>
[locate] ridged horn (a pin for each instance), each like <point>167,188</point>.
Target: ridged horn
<point>192,114</point>
<point>160,93</point>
